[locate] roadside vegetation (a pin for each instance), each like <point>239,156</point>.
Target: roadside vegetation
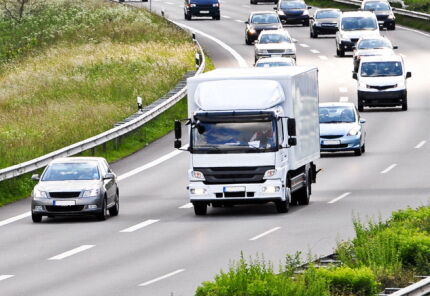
<point>418,5</point>
<point>400,19</point>
<point>383,254</point>
<point>71,69</point>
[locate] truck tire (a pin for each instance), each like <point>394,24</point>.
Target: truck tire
<point>303,195</point>
<point>284,206</point>
<point>200,208</point>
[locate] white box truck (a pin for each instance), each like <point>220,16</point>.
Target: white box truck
<point>253,136</point>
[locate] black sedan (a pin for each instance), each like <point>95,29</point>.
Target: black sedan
<point>324,22</point>
<point>259,21</point>
<point>293,12</point>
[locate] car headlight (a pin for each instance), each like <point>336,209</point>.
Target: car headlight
<point>39,194</point>
<point>344,38</point>
<point>198,191</point>
<point>281,12</point>
<point>317,24</point>
<point>215,5</point>
<point>269,173</point>
<point>91,192</point>
<point>391,16</point>
<point>354,131</point>
<point>306,12</point>
<point>252,31</point>
<point>198,175</point>
<point>192,5</point>
<point>261,51</point>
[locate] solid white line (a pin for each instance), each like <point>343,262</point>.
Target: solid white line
<point>140,225</point>
<point>241,61</point>
<point>16,218</point>
<point>389,168</point>
<point>303,45</point>
<point>239,21</point>
<point>170,3</point>
<point>265,233</point>
<point>420,144</point>
<point>339,197</point>
<point>343,99</point>
<point>72,252</point>
<point>186,206</point>
<point>161,278</point>
<point>343,89</point>
<point>5,276</point>
<point>324,58</point>
<point>315,51</point>
<point>415,31</point>
<point>149,165</point>
<point>226,16</point>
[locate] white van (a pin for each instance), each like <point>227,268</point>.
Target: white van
<point>381,81</point>
<point>354,25</point>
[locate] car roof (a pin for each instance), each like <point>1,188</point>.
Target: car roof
<point>336,104</point>
<point>326,9</point>
<point>77,159</point>
<point>263,12</point>
<point>357,14</point>
<point>275,59</point>
<point>371,37</point>
<point>365,1</point>
<point>382,58</point>
<point>282,32</point>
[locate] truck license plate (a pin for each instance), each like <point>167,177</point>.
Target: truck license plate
<point>331,142</point>
<point>234,189</point>
<point>63,202</point>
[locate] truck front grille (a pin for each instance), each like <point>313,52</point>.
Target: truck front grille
<point>234,175</point>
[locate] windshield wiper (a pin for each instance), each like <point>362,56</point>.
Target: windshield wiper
<point>207,147</point>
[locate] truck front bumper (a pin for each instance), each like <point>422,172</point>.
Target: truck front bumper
<point>270,190</point>
<point>382,98</point>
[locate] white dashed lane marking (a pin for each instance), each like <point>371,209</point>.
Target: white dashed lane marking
<point>265,233</point>
<point>420,144</point>
<point>72,252</point>
<point>339,197</point>
<point>140,225</point>
<point>161,277</point>
<point>389,168</point>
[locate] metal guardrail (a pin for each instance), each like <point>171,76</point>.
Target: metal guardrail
<point>401,11</point>
<point>116,132</point>
<point>420,288</point>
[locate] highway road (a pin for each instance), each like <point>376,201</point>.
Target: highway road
<point>157,246</point>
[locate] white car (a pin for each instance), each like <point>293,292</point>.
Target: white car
<point>275,44</point>
<point>275,62</point>
<point>354,25</point>
<point>381,81</point>
<point>372,46</point>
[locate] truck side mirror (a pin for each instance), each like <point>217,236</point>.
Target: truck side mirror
<point>292,141</point>
<point>178,134</point>
<point>354,75</point>
<point>408,74</point>
<point>275,8</point>
<point>291,127</point>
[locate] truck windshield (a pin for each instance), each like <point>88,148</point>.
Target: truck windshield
<point>236,137</point>
<point>359,23</point>
<point>376,69</point>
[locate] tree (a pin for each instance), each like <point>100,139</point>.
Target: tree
<point>17,9</point>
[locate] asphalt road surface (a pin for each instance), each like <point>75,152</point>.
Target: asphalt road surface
<point>157,246</point>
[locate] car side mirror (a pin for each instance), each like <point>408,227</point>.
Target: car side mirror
<point>275,8</point>
<point>35,177</point>
<point>294,40</point>
<point>109,176</point>
<point>362,120</point>
<point>395,47</point>
<point>247,22</point>
<point>354,75</point>
<point>309,7</point>
<point>408,74</point>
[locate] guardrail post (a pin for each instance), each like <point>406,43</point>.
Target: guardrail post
<point>104,147</point>
<point>93,151</point>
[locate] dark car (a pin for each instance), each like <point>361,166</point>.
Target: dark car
<point>256,1</point>
<point>324,22</point>
<point>259,21</point>
<point>293,12</point>
<point>383,12</point>
<point>209,8</point>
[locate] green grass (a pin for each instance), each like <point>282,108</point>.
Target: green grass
<point>403,20</point>
<point>418,5</point>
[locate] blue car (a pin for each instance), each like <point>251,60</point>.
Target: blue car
<point>341,128</point>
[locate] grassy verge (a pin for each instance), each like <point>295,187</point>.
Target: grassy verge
<point>383,254</point>
<point>403,20</point>
<point>418,5</point>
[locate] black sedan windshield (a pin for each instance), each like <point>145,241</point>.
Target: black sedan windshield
<point>376,6</point>
<point>234,136</point>
<point>71,171</point>
<point>327,14</point>
<point>264,19</point>
<point>337,114</point>
<point>375,69</point>
<point>359,23</point>
<point>293,5</point>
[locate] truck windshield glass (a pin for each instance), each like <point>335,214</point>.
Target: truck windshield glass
<point>71,171</point>
<point>337,114</point>
<point>359,23</point>
<point>264,19</point>
<point>274,38</point>
<point>374,44</point>
<point>234,136</point>
<point>376,6</point>
<point>327,14</point>
<point>377,69</point>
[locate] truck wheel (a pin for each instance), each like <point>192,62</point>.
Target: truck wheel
<point>393,27</point>
<point>200,208</point>
<point>36,218</point>
<point>303,194</point>
<point>284,206</point>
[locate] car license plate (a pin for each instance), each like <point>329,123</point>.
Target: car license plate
<point>276,55</point>
<point>331,142</point>
<point>380,22</point>
<point>63,203</point>
<point>234,189</point>
<point>328,25</point>
<point>204,11</point>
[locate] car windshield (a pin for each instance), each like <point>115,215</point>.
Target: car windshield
<point>293,5</point>
<point>359,23</point>
<point>374,43</point>
<point>216,137</point>
<point>337,114</point>
<point>376,69</point>
<point>376,6</point>
<point>264,19</point>
<point>274,64</point>
<point>327,14</point>
<point>71,171</point>
<point>274,38</point>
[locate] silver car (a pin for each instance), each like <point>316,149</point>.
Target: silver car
<point>75,186</point>
<point>275,44</point>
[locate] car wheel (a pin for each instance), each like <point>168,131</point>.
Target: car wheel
<point>114,211</point>
<point>363,148</point>
<point>253,2</point>
<point>393,27</point>
<point>247,41</point>
<point>303,194</point>
<point>36,218</point>
<point>405,104</point>
<point>104,212</point>
<point>200,208</point>
<point>357,152</point>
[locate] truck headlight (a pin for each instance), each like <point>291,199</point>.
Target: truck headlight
<point>198,191</point>
<point>198,175</point>
<point>91,192</point>
<point>269,173</point>
<point>354,131</point>
<point>39,194</point>
<point>271,189</point>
